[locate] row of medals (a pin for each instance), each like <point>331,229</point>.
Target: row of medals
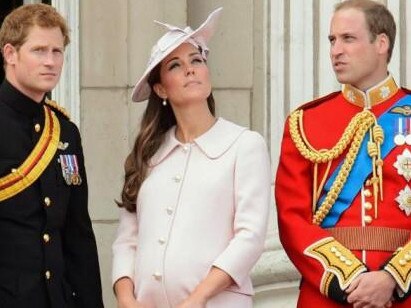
<point>403,162</point>
<point>69,166</point>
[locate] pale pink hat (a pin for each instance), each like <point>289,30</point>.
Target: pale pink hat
<point>169,42</point>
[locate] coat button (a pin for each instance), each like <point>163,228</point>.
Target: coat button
<point>157,276</point>
<point>402,262</point>
<point>48,275</point>
<point>162,240</point>
<point>47,201</point>
<point>368,205</point>
<point>46,237</point>
<point>169,210</point>
<point>367,193</point>
<point>37,127</point>
<point>177,179</point>
<point>367,219</point>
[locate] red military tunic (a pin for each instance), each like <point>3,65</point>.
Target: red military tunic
<point>323,272</point>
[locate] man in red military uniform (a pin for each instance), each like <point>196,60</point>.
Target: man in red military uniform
<point>342,186</point>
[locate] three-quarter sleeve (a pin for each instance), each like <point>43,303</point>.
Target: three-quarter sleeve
<point>252,189</point>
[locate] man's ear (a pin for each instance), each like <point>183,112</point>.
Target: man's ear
<point>383,43</point>
<point>160,91</point>
<point>9,54</point>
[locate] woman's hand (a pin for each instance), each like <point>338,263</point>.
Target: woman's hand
<point>193,301</point>
<point>124,290</point>
<point>129,302</point>
<point>215,282</point>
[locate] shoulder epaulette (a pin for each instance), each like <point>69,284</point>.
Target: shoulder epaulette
<point>57,108</point>
<point>318,101</point>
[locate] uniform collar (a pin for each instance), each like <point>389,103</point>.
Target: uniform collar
<point>213,143</point>
<point>373,96</point>
<point>18,101</point>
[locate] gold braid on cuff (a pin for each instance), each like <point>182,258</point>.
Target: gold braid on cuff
<point>335,259</point>
<point>400,267</point>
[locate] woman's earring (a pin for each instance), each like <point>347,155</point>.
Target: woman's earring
<point>164,102</point>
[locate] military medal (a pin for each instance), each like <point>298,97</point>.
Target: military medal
<point>404,200</point>
<point>70,169</point>
<point>403,164</point>
<point>399,138</point>
<point>408,137</point>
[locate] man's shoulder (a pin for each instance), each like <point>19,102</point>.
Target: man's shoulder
<point>60,111</point>
<point>407,91</point>
<point>319,101</point>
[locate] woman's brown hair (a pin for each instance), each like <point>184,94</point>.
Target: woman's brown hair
<point>157,120</point>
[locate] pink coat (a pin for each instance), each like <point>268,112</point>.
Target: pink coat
<point>203,204</point>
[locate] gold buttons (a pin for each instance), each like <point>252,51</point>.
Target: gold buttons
<point>402,262</point>
<point>48,275</point>
<point>367,219</point>
<point>348,262</point>
<point>157,276</point>
<point>169,210</point>
<point>368,205</point>
<point>162,240</point>
<point>47,201</point>
<point>37,127</point>
<point>177,179</point>
<point>46,238</point>
<point>367,193</point>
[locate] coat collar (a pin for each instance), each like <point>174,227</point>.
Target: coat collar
<point>213,143</point>
<point>373,96</point>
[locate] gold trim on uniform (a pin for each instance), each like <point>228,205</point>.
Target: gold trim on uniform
<point>363,122</point>
<point>336,259</point>
<point>373,96</point>
<point>62,110</point>
<point>400,267</point>
<point>325,283</point>
<point>34,165</point>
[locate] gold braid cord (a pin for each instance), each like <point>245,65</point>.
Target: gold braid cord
<point>353,135</point>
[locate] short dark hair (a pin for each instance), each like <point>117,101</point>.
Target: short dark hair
<point>17,24</point>
<point>378,18</point>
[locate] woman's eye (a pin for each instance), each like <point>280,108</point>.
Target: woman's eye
<point>173,66</point>
<point>197,60</point>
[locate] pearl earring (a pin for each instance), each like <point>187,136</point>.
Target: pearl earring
<point>164,102</point>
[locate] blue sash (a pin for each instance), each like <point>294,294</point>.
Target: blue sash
<point>362,167</point>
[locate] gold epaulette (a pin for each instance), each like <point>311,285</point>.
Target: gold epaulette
<point>337,261</point>
<point>57,107</point>
<point>400,267</point>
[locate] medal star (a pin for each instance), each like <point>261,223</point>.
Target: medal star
<point>385,92</point>
<point>403,164</point>
<point>404,200</point>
